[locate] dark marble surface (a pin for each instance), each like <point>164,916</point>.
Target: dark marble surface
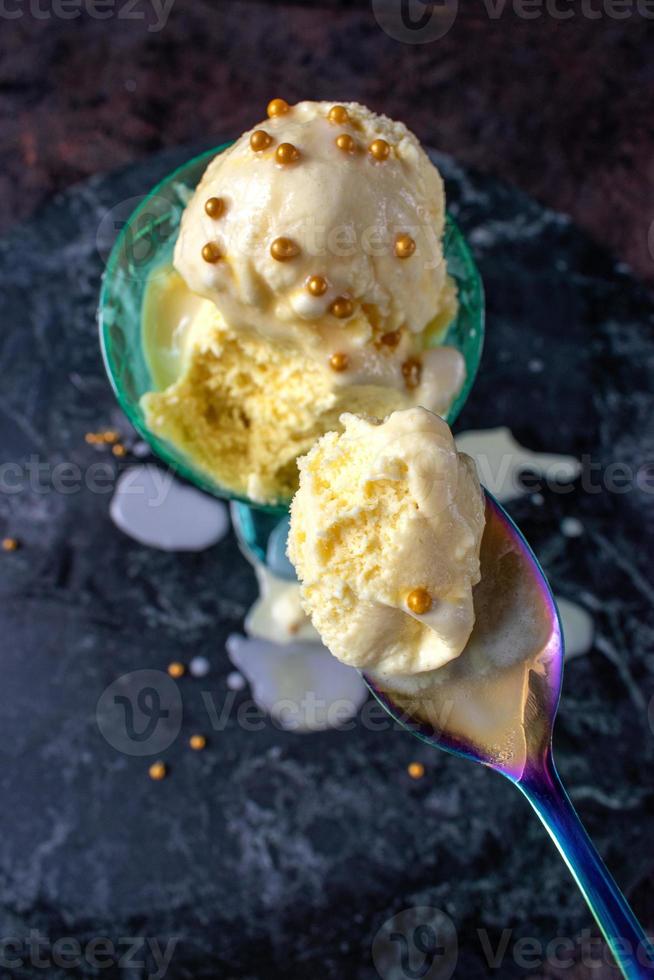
<point>273,854</point>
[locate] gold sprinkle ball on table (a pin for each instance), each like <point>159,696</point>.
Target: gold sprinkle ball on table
<point>158,771</point>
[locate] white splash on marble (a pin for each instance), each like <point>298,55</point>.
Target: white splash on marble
<point>293,676</point>
<point>277,615</point>
<point>578,628</point>
<point>199,667</point>
<point>300,684</point>
<point>500,461</point>
<point>571,527</point>
<point>141,449</point>
<point>155,509</point>
<point>236,681</point>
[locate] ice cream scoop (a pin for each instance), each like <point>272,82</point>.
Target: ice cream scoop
<point>321,229</point>
<point>385,533</point>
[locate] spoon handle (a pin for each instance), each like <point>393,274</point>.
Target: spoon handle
<point>632,949</point>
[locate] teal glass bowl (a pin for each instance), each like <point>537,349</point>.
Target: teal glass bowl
<point>146,243</point>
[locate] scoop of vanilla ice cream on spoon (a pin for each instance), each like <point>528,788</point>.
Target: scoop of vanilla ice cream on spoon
<point>321,229</point>
<point>385,534</point>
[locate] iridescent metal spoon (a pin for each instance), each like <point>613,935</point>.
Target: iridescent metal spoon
<point>496,705</point>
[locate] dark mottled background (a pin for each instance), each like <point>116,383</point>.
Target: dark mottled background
<point>272,855</point>
<point>560,107</point>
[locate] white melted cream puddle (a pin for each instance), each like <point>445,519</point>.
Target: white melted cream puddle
<point>500,461</point>
<point>299,684</point>
<point>292,675</point>
<point>155,509</point>
<point>578,628</point>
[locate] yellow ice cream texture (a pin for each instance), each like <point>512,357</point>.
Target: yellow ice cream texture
<point>388,515</point>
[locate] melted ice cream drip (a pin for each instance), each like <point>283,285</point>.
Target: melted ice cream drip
<point>292,675</point>
<point>500,461</point>
<point>277,615</point>
<point>578,629</point>
<point>155,509</point>
<point>300,685</point>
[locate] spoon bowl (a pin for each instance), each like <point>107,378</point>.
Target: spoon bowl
<point>496,705</point>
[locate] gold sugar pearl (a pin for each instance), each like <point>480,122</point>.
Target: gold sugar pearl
<point>158,771</point>
<point>197,742</point>
<point>9,544</point>
<point>214,207</point>
<point>416,770</point>
<point>338,115</point>
<point>346,143</point>
<point>118,449</point>
<point>176,669</point>
<point>412,372</point>
<point>277,107</point>
<point>392,338</point>
<point>339,361</point>
<point>317,285</point>
<point>342,307</point>
<point>211,252</point>
<point>379,150</point>
<point>284,249</point>
<point>287,153</point>
<point>404,246</point>
<point>419,601</point>
<point>260,140</point>
<point>110,436</point>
